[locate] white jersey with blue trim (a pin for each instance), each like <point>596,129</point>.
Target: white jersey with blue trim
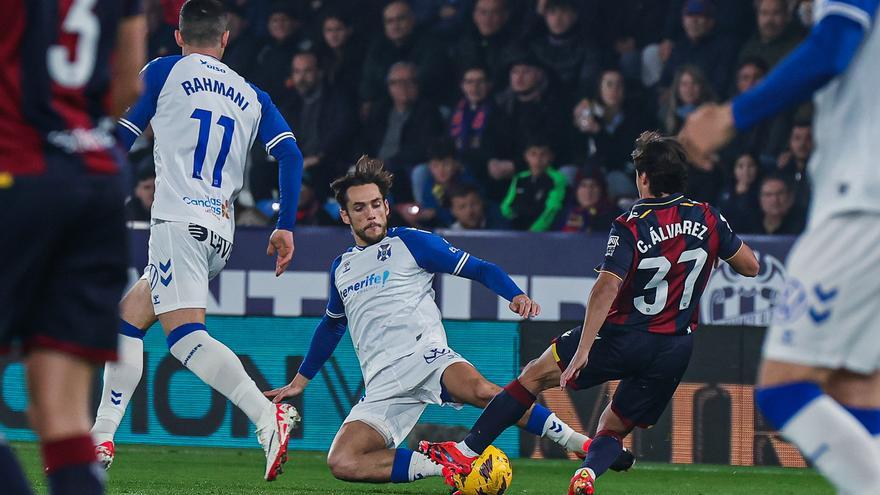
<point>385,291</point>
<point>205,118</point>
<point>843,168</point>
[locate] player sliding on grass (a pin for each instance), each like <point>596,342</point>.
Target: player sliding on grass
<point>639,318</point>
<point>381,289</point>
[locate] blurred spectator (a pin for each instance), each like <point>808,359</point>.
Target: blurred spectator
<point>776,35</point>
<point>323,117</point>
<point>141,200</point>
<point>689,90</point>
<point>445,18</point>
<point>445,172</point>
<point>479,130</point>
<point>160,40</point>
<point>792,162</point>
<point>399,130</point>
<point>241,52</point>
<point>739,201</point>
<point>702,46</point>
<point>311,210</point>
<point>574,60</point>
<point>733,18</point>
<point>624,27</point>
<point>611,127</point>
<point>778,215</point>
<point>488,42</point>
<point>537,194</point>
<point>591,210</point>
<point>340,56</point>
<point>273,60</point>
<point>401,43</point>
<point>471,212</point>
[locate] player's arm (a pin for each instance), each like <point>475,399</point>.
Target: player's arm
<point>138,117</point>
<point>734,250</point>
<point>129,56</point>
<point>436,255</point>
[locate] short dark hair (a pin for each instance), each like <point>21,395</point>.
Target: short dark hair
<point>203,22</point>
<point>758,62</point>
<point>539,140</point>
<point>460,191</point>
<point>366,171</point>
<point>663,159</point>
<point>441,148</point>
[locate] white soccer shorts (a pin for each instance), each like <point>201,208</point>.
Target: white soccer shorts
<point>183,257</point>
<point>396,396</point>
<point>830,313</point>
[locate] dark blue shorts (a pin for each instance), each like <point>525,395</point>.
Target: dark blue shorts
<point>649,367</point>
<point>63,246</point>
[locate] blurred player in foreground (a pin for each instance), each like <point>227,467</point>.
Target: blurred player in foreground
<point>63,241</point>
<point>639,318</point>
<point>205,118</point>
<point>820,377</point>
<point>381,289</point>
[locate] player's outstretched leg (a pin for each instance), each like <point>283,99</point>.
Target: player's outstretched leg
<point>14,482</point>
<point>840,448</point>
<point>216,365</point>
<point>604,452</point>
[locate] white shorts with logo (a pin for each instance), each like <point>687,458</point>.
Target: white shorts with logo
<point>183,257</point>
<point>396,396</point>
<point>830,313</point>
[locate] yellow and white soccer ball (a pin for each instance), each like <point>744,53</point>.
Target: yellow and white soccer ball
<point>490,474</point>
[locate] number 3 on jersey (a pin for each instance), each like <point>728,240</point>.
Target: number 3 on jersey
<point>205,118</point>
<point>659,283</point>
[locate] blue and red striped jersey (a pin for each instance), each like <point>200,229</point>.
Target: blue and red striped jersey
<point>55,58</point>
<point>664,250</point>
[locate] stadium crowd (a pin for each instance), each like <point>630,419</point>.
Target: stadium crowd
<point>509,114</point>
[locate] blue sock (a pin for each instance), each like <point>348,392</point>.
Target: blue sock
<point>129,330</point>
<point>14,482</point>
<point>400,468</point>
<point>604,450</point>
<point>182,331</point>
<point>537,420</point>
<point>869,418</point>
<point>504,411</point>
<point>781,402</point>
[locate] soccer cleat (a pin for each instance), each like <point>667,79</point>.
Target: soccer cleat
<point>105,452</point>
<point>447,455</point>
<point>274,439</point>
<point>581,483</point>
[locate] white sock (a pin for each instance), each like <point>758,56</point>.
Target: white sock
<point>420,466</point>
<point>837,445</point>
<point>464,449</point>
<point>120,380</point>
<point>558,431</point>
<point>219,367</point>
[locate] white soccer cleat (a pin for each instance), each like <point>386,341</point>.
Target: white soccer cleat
<point>105,452</point>
<point>274,439</point>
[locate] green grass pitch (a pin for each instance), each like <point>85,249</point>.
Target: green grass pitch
<point>152,470</point>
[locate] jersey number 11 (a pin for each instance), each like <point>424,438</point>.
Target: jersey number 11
<point>205,117</point>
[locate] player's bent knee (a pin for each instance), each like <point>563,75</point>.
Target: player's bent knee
<point>343,466</point>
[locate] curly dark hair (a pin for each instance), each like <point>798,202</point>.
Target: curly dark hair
<point>664,160</point>
<point>366,171</point>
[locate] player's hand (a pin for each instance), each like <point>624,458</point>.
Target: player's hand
<point>292,389</point>
<point>281,243</point>
<point>706,130</point>
<point>578,361</point>
<point>524,307</point>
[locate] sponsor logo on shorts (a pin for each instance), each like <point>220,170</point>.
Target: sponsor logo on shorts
<point>220,245</point>
<point>436,353</point>
<point>152,275</point>
<point>792,303</point>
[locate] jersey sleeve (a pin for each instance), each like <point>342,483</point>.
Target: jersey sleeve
<point>728,242</point>
<point>335,306</point>
<point>432,252</point>
<point>863,12</point>
<point>136,119</point>
<point>619,252</point>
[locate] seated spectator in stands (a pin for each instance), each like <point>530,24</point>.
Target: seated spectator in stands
<point>398,130</point>
<point>689,90</point>
<point>488,42</point>
<point>792,162</point>
<point>273,60</point>
<point>444,18</point>
<point>572,57</point>
<point>702,46</point>
<point>778,215</point>
<point>141,200</point>
<point>241,52</point>
<point>310,210</point>
<point>739,201</point>
<point>324,118</point>
<point>471,212</point>
<point>445,172</point>
<point>776,35</point>
<point>402,43</point>
<point>536,195</point>
<point>340,55</point>
<point>610,126</point>
<point>591,210</point>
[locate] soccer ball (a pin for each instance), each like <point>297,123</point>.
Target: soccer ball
<point>490,474</point>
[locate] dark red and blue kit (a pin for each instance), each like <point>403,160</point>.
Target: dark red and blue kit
<point>663,250</point>
<point>61,192</point>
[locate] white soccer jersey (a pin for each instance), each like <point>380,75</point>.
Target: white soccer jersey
<point>844,166</point>
<point>385,292</point>
<point>205,118</point>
